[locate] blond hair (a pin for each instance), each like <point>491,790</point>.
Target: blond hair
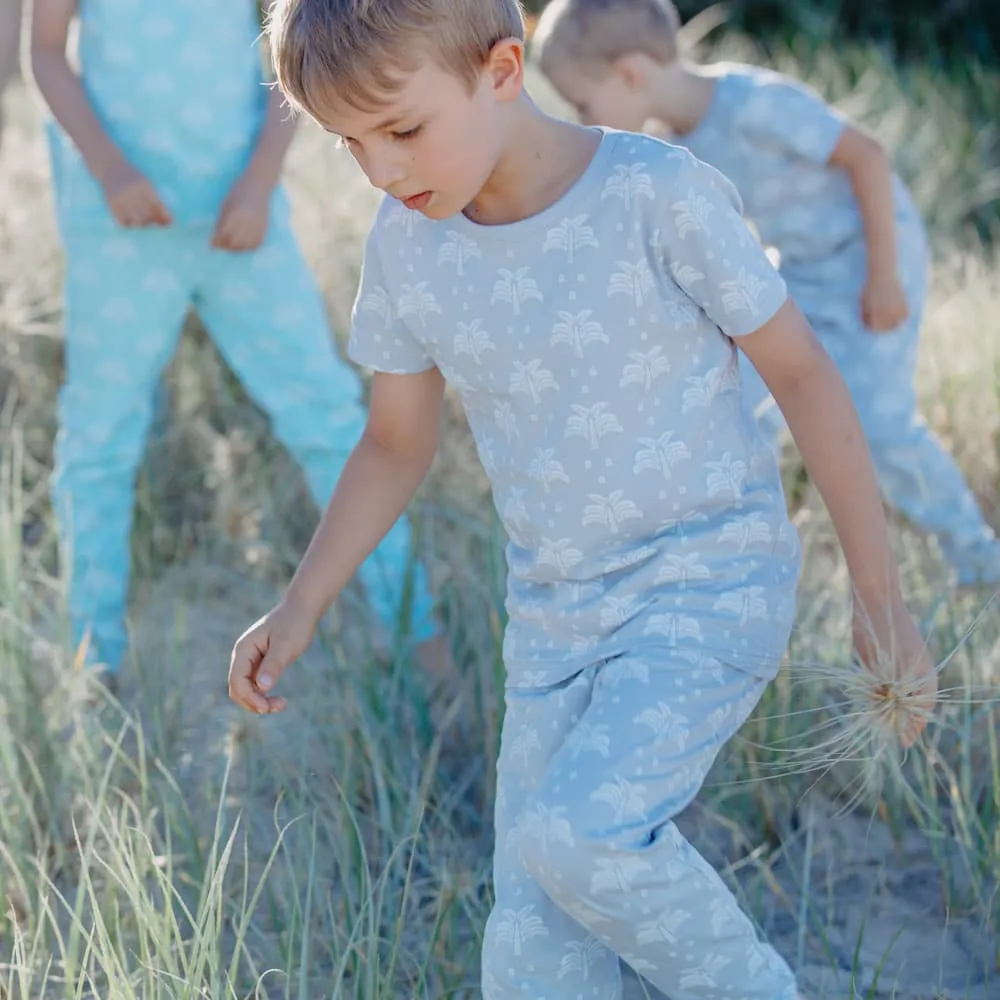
<point>594,33</point>
<point>358,51</point>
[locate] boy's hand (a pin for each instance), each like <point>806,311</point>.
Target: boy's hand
<point>890,645</point>
<point>262,654</point>
<point>243,220</point>
<point>883,303</point>
<point>133,199</point>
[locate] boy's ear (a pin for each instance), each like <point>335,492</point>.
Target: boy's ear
<point>505,65</point>
<point>632,70</point>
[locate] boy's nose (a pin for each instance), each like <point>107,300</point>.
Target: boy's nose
<point>385,172</point>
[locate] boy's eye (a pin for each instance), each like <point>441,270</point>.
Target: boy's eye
<point>410,133</point>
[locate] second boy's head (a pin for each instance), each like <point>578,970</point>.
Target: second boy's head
<point>600,55</point>
<point>417,89</point>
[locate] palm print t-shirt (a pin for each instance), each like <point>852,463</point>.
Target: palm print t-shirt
<point>773,137</point>
<point>591,346</point>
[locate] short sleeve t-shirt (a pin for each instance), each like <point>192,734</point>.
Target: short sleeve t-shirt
<point>773,137</point>
<point>593,349</point>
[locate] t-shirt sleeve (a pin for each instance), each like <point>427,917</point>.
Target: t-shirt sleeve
<point>380,339</point>
<point>711,254</point>
<point>789,115</point>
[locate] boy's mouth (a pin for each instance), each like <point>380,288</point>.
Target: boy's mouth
<point>417,202</point>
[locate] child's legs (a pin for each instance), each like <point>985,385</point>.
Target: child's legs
<point>916,474</point>
<point>125,300</point>
<point>267,317</point>
<point>598,836</point>
<point>531,946</point>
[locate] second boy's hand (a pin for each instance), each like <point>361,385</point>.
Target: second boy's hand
<point>243,220</point>
<point>883,302</point>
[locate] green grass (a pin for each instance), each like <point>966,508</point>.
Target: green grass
<point>166,846</point>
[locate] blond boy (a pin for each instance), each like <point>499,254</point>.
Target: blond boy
<point>584,291</point>
<point>853,250</point>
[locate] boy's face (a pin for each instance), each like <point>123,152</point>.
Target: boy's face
<point>609,99</point>
<point>434,144</point>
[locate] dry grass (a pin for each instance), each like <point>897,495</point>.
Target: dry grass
<point>165,846</point>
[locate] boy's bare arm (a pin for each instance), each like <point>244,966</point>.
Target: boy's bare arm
<point>62,89</point>
<point>870,172</point>
<point>812,396</point>
<point>815,402</point>
<point>377,483</point>
<point>130,196</point>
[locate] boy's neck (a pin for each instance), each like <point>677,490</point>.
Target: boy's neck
<point>542,157</point>
<point>680,96</point>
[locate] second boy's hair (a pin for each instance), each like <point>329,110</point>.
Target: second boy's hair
<point>357,51</point>
<point>592,33</point>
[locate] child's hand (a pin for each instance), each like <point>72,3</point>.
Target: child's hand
<point>243,220</point>
<point>262,654</point>
<point>133,199</point>
<point>883,303</point>
<point>891,647</point>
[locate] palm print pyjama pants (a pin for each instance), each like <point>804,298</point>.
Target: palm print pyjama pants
<point>589,868</point>
<point>126,294</point>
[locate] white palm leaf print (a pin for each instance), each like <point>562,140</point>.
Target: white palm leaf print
<point>726,476</point>
<point>571,236</point>
<point>515,288</point>
<point>674,627</point>
<point>627,799</point>
<point>617,875</point>
<point>378,301</point>
<point>645,368</point>
<point>746,530</point>
<point>458,249</point>
<point>578,330</point>
<point>415,300</point>
<point>549,827</point>
<point>473,340</point>
<point>559,554</point>
<point>742,293</point>
<point>662,930</point>
<point>748,603</point>
<point>692,214</point>
<point>580,958</point>
<point>546,469</point>
<point>588,738</point>
<point>685,275</point>
<point>532,379</point>
<point>628,182</point>
<point>634,280</point>
<point>683,569</point>
<point>592,423</point>
<point>660,454</point>
<point>525,744</point>
<point>517,927</point>
<point>617,611</point>
<point>610,511</point>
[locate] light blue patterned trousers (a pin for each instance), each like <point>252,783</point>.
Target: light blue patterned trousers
<point>589,867</point>
<point>126,296</point>
<point>916,474</point>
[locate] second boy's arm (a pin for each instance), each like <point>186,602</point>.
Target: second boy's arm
<point>130,196</point>
<point>379,480</point>
<point>868,167</point>
<point>815,402</point>
<point>242,223</point>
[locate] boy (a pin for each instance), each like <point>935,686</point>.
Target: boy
<point>853,250</point>
<point>582,289</point>
<point>166,174</point>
